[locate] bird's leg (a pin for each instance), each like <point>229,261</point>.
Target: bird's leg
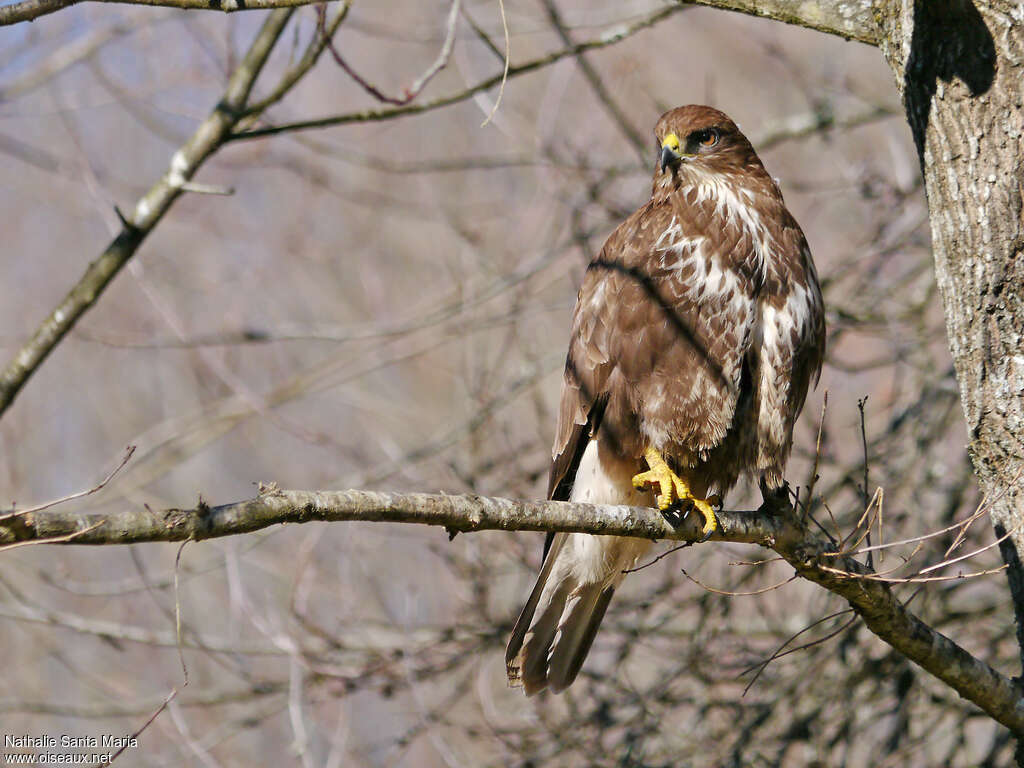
<point>672,487</point>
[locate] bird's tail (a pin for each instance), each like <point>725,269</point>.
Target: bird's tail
<point>556,628</point>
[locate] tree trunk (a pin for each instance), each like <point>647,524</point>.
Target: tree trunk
<point>960,71</point>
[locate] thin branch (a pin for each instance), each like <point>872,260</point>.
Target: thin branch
<point>144,726</point>
<point>861,405</point>
<point>177,613</point>
<point>27,10</point>
<point>813,479</point>
<point>507,61</point>
<point>324,32</point>
<point>31,9</point>
<point>610,36</point>
<point>730,593</point>
<point>71,497</point>
<point>68,55</point>
<point>150,209</point>
<point>804,124</point>
<point>414,90</point>
<point>874,601</point>
<point>659,558</point>
<point>919,579</point>
<point>779,652</point>
<point>962,526</point>
<point>639,140</point>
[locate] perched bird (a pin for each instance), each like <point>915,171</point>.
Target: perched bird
<point>696,334</point>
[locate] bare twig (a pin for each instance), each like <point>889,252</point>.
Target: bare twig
<point>609,37</point>
<point>414,90</point>
<point>861,405</point>
<point>779,652</point>
<point>731,593</point>
<point>508,60</point>
<point>177,613</point>
<point>917,579</point>
<point>638,140</point>
<point>231,111</point>
<point>813,479</point>
<point>71,497</point>
<point>27,10</point>
<point>961,526</point>
<point>144,726</point>
<point>659,558</point>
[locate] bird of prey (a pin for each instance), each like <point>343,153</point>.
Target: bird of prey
<point>696,334</point>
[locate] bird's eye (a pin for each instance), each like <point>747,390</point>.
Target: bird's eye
<point>708,138</point>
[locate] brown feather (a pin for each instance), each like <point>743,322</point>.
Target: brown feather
<point>697,331</point>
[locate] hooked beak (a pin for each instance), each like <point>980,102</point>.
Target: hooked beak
<point>670,152</point>
<point>668,157</point>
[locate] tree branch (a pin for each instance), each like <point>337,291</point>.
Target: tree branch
<point>851,19</point>
<point>231,111</point>
<point>638,139</point>
<point>609,37</point>
<point>812,557</point>
<point>27,10</point>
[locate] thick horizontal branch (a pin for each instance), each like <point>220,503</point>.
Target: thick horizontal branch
<point>27,10</point>
<point>851,19</point>
<point>784,533</point>
<point>457,514</point>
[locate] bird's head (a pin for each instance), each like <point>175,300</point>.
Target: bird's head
<point>700,140</point>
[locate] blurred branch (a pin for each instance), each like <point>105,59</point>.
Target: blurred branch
<point>232,110</point>
<point>803,124</point>
<point>780,530</point>
<point>610,36</point>
<point>68,55</point>
<point>850,19</point>
<point>27,10</point>
<point>638,139</point>
<point>88,492</point>
<point>410,93</point>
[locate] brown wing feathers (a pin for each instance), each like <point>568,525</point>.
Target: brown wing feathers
<point>697,331</point>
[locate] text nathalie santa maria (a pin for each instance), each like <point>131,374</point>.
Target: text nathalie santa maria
<point>66,741</point>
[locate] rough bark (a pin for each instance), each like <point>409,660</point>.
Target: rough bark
<point>959,66</point>
<point>852,19</point>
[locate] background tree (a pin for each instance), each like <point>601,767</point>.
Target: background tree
<point>378,304</point>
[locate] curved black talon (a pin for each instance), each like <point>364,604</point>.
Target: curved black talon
<point>676,515</point>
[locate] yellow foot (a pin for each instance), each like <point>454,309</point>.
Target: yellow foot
<point>672,487</point>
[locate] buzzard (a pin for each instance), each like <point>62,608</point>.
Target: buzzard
<point>696,334</point>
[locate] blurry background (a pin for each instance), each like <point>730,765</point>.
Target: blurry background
<point>385,305</point>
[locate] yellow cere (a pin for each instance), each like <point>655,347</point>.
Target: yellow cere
<point>672,142</point>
